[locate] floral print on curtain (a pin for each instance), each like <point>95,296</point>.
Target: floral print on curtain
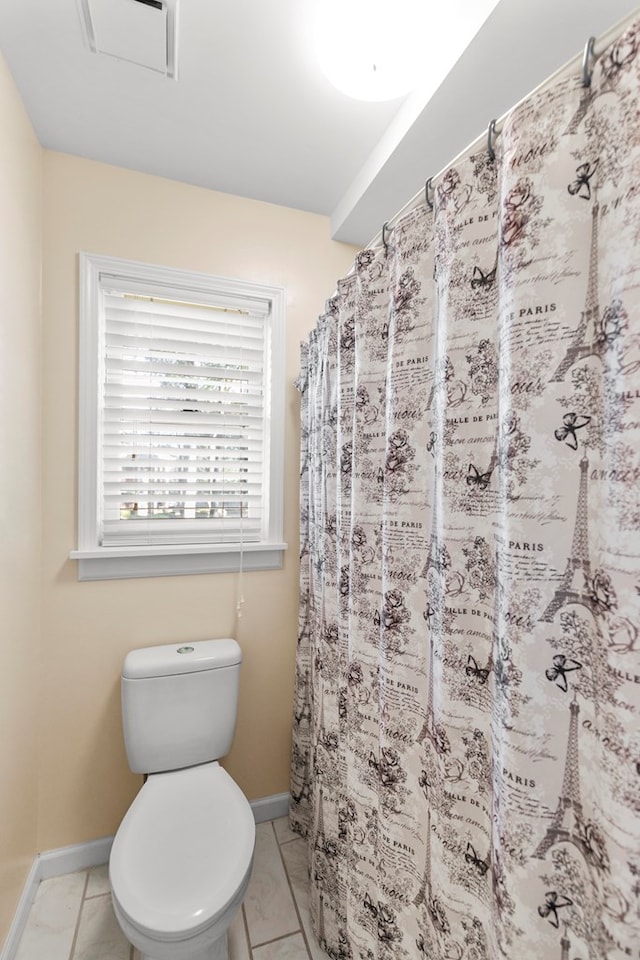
<point>466,744</point>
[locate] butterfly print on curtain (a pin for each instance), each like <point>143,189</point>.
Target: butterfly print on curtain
<point>465,731</point>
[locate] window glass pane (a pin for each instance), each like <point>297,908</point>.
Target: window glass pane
<point>181,411</point>
<point>183,420</point>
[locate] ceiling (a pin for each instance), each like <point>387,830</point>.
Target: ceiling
<point>251,114</point>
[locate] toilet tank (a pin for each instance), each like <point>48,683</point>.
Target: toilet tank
<point>179,704</point>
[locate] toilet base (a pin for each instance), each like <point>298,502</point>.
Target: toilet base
<point>218,950</point>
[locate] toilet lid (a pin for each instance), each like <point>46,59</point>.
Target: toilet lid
<point>182,851</point>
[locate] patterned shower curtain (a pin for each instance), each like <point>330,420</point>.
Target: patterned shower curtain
<point>466,744</point>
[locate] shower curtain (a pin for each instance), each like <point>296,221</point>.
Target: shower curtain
<point>466,745</point>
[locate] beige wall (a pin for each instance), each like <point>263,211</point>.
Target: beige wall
<point>20,482</point>
<point>63,772</point>
<point>85,786</point>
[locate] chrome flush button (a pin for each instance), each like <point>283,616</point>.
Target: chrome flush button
<point>185,649</point>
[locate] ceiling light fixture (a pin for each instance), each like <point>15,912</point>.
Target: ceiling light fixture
<point>372,49</point>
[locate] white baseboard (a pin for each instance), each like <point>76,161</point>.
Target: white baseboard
<point>82,856</point>
<point>79,856</point>
<point>52,863</point>
<point>270,808</point>
<point>21,915</point>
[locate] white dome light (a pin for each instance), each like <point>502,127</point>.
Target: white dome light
<point>372,49</point>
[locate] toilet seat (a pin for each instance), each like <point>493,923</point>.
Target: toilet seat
<point>182,852</point>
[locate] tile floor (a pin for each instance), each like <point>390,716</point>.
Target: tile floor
<point>72,917</point>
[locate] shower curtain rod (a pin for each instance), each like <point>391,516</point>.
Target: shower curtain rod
<point>587,58</point>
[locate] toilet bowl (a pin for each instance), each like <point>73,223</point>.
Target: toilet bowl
<point>180,863</point>
<point>181,859</point>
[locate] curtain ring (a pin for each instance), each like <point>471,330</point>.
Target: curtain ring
<point>491,132</point>
<point>428,186</point>
<point>384,236</point>
<point>586,57</point>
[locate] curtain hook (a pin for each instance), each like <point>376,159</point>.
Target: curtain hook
<point>491,132</point>
<point>428,186</point>
<point>384,236</point>
<point>588,54</point>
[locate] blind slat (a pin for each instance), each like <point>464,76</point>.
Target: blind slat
<point>185,372</point>
<point>253,474</point>
<point>171,490</point>
<point>168,393</point>
<point>177,484</point>
<point>180,299</point>
<point>234,446</point>
<point>231,432</point>
<point>156,448</point>
<point>172,496</point>
<point>182,422</point>
<point>128,324</point>
<point>194,349</point>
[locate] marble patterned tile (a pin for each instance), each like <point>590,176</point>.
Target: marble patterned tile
<point>268,903</point>
<point>284,833</point>
<point>289,948</point>
<point>315,950</point>
<point>99,935</point>
<point>296,862</point>
<point>53,917</point>
<point>237,937</point>
<point>271,917</point>
<point>98,881</point>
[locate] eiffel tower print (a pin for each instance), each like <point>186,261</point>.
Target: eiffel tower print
<point>319,736</point>
<point>298,795</point>
<point>428,725</point>
<point>438,559</point>
<point>318,845</point>
<point>434,550</point>
<point>302,714</point>
<point>589,95</point>
<point>434,386</point>
<point>321,730</point>
<point>565,943</point>
<point>578,564</point>
<point>320,838</point>
<point>581,111</point>
<point>583,346</point>
<point>568,824</point>
<point>480,481</point>
<point>424,893</point>
<point>430,729</point>
<point>322,939</point>
<point>326,869</point>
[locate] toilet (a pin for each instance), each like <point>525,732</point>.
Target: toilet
<point>181,859</point>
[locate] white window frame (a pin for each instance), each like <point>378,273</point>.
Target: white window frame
<point>96,562</point>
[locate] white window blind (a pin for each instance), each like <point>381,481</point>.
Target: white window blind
<point>181,421</point>
<point>183,446</point>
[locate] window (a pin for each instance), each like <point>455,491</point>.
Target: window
<point>181,422</point>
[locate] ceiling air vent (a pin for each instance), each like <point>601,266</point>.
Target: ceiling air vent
<point>139,31</point>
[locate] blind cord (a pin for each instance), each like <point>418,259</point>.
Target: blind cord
<point>240,602</point>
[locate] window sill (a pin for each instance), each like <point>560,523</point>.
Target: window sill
<point>122,563</point>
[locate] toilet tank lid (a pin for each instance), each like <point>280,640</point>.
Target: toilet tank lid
<point>174,658</point>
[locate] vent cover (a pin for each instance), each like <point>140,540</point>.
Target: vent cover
<point>139,31</point>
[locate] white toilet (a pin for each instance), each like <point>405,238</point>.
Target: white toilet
<point>181,859</point>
